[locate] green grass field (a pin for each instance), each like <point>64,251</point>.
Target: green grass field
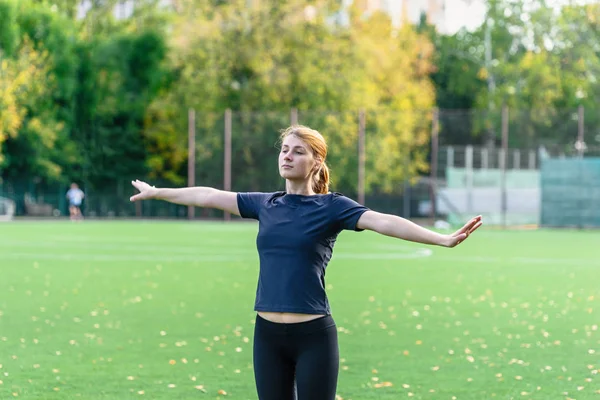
<point>163,310</point>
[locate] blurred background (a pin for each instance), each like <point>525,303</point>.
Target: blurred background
<point>433,109</point>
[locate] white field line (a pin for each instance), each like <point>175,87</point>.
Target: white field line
<point>233,255</point>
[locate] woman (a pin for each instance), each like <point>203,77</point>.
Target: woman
<point>295,337</point>
<point>75,196</point>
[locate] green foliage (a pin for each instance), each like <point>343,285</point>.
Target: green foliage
<point>66,7</point>
<point>37,144</point>
<point>28,124</point>
<point>542,74</point>
<point>9,29</point>
<point>19,79</point>
<point>124,74</point>
<point>268,59</point>
<point>102,99</point>
<point>81,115</point>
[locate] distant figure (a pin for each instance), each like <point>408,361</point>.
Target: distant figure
<point>75,196</point>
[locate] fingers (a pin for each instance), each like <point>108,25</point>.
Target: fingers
<point>141,186</point>
<point>473,221</point>
<point>475,227</point>
<point>137,183</point>
<point>463,233</point>
<point>472,224</point>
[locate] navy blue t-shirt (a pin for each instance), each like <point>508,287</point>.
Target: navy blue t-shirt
<point>295,242</point>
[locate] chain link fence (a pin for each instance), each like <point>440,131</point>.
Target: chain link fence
<point>433,164</point>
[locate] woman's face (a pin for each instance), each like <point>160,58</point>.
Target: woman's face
<point>296,160</point>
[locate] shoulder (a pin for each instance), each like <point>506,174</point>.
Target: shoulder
<point>341,199</point>
<point>250,204</point>
<point>272,195</point>
<point>259,196</point>
<point>269,195</point>
<point>340,203</point>
<point>346,211</point>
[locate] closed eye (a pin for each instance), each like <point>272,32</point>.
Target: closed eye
<point>299,152</point>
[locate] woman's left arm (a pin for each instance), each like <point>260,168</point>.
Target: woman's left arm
<point>394,226</point>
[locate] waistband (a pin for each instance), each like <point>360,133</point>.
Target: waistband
<point>300,328</point>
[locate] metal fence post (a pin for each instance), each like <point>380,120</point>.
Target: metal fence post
<point>227,158</point>
<point>531,163</point>
<point>361,156</point>
<point>435,130</point>
<point>406,194</point>
<point>469,177</point>
<point>449,157</point>
<point>580,146</point>
<point>484,158</point>
<point>191,155</point>
<point>504,204</point>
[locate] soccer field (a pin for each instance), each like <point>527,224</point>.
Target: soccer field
<point>163,310</point>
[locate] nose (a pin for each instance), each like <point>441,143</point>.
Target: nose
<point>287,156</point>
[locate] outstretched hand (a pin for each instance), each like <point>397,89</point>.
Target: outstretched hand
<point>463,233</point>
<point>146,191</point>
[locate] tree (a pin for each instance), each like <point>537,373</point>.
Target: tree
<point>544,74</point>
<point>397,87</point>
<point>75,110</point>
<point>22,82</point>
<point>40,148</point>
<point>266,59</point>
<point>9,28</point>
<point>120,78</point>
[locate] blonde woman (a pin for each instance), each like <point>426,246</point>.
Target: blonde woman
<point>295,339</point>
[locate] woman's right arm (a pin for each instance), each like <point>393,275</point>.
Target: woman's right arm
<point>190,196</point>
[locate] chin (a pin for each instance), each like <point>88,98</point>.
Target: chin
<point>289,176</point>
<point>286,174</point>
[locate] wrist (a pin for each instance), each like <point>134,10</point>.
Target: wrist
<point>444,240</point>
<point>154,193</point>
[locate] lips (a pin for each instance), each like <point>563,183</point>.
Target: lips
<point>286,166</point>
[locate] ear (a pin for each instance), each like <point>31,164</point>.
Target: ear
<point>318,164</point>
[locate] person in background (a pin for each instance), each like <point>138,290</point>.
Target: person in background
<point>75,197</point>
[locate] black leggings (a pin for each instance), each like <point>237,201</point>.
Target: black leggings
<point>296,361</point>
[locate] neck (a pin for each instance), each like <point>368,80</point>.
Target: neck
<point>303,188</point>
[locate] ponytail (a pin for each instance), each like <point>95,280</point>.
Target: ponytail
<point>320,183</point>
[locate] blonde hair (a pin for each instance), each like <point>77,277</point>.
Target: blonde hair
<point>318,146</point>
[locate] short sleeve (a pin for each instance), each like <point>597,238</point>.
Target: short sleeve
<point>347,212</point>
<point>250,203</point>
